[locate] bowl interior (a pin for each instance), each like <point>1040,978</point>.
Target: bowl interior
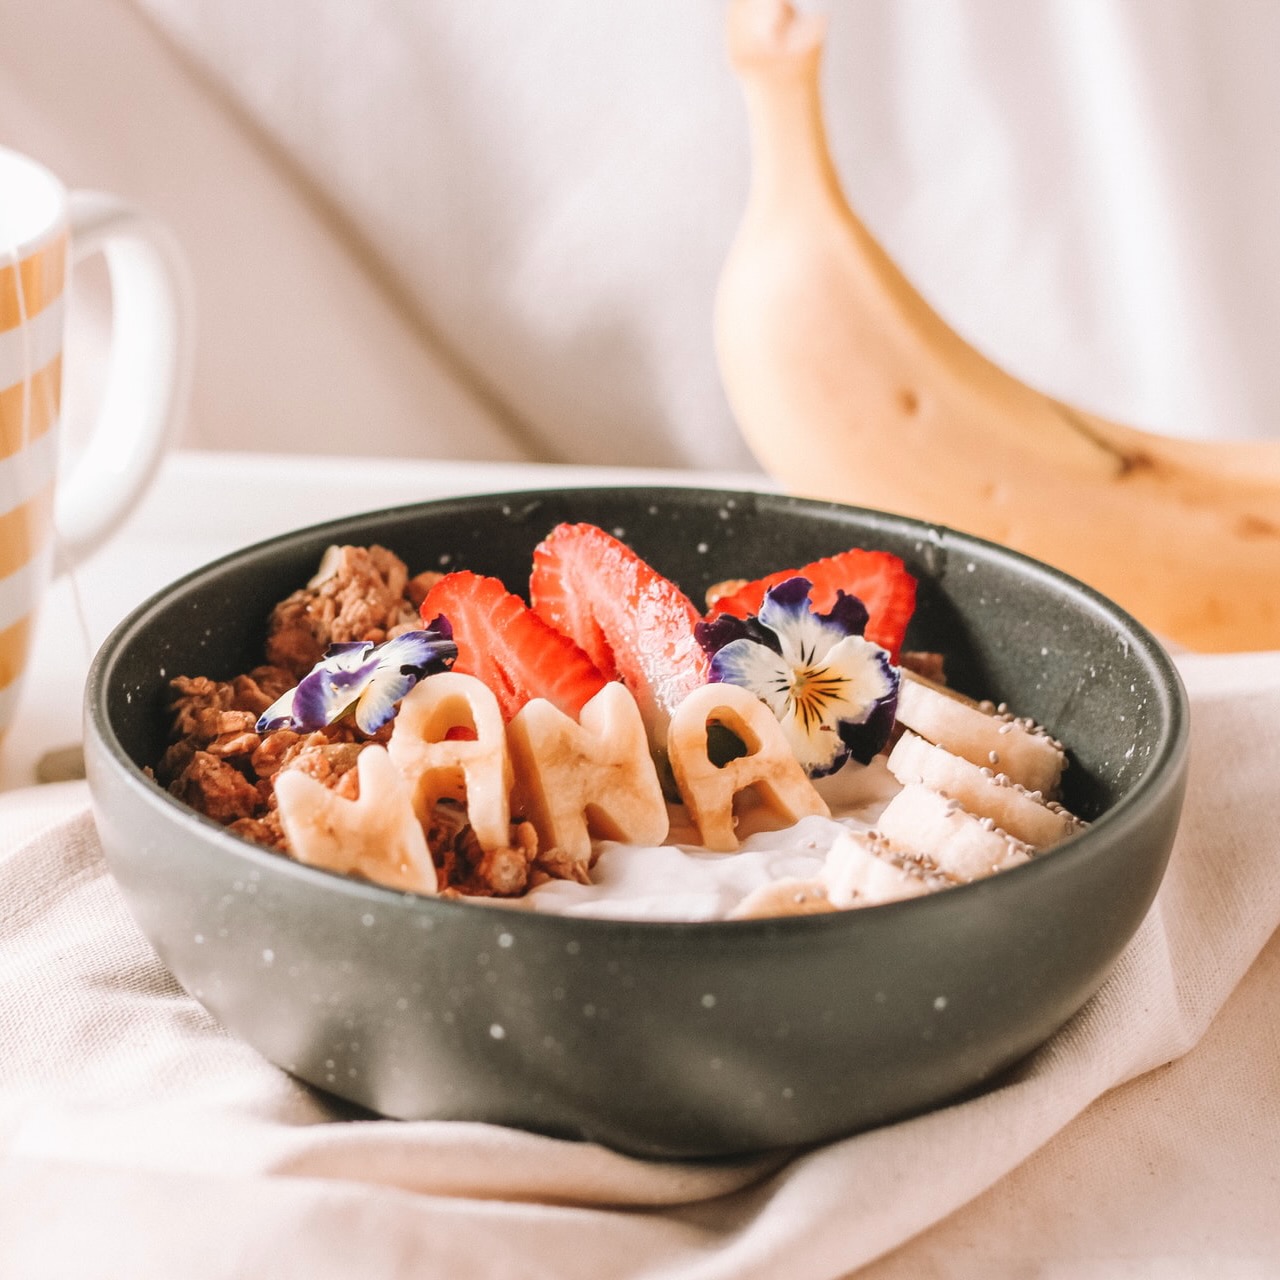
<point>1011,629</point>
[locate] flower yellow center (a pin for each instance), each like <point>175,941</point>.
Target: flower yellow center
<point>811,691</point>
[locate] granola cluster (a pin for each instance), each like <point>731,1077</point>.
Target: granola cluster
<point>358,593</point>
<point>220,764</point>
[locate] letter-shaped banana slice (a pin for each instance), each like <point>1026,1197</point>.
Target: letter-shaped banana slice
<point>769,766</point>
<point>596,772</point>
<point>477,770</point>
<point>377,835</point>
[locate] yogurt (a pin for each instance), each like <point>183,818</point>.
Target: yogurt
<point>681,881</point>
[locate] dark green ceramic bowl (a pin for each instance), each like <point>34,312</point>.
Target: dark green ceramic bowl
<point>662,1039</point>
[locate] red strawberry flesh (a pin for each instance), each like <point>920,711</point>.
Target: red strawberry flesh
<point>504,643</point>
<point>878,578</point>
<point>632,622</point>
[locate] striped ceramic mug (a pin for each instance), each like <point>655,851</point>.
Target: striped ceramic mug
<point>43,231</point>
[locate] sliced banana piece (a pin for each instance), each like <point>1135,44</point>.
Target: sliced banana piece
<point>963,845</point>
<point>377,835</point>
<point>769,766</point>
<point>1024,814</point>
<point>863,868</point>
<point>571,775</point>
<point>787,896</point>
<point>982,734</point>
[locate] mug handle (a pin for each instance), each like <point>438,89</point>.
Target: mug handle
<point>149,374</point>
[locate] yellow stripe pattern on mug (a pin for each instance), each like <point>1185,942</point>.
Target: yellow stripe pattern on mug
<point>31,326</point>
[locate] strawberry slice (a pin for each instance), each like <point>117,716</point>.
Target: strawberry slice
<point>632,622</point>
<point>504,643</point>
<point>878,578</point>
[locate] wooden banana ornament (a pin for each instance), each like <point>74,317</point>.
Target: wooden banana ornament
<point>848,386</point>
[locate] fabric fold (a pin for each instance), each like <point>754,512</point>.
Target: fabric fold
<point>133,1128</point>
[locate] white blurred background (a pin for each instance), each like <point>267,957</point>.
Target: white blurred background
<point>493,231</point>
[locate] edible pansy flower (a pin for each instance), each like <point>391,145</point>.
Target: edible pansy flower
<point>363,678</point>
<point>833,691</point>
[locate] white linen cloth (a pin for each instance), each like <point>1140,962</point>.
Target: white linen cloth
<point>139,1140</point>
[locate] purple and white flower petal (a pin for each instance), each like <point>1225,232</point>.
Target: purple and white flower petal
<point>279,715</point>
<point>371,679</point>
<point>724,628</point>
<point>801,632</point>
<point>402,662</point>
<point>332,685</point>
<point>756,667</point>
<point>833,691</point>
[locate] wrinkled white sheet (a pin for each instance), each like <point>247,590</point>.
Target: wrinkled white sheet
<point>138,1140</point>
